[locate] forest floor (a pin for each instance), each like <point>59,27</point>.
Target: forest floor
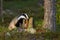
<point>14,35</point>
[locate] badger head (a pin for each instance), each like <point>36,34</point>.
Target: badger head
<point>15,21</point>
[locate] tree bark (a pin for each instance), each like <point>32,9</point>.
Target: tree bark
<point>0,7</point>
<point>49,15</point>
<point>1,10</point>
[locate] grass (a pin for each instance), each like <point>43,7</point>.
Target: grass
<point>27,36</point>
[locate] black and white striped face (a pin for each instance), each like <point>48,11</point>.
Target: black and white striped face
<point>25,16</point>
<point>20,19</point>
<point>16,22</point>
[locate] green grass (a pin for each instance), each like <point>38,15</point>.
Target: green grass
<point>27,36</point>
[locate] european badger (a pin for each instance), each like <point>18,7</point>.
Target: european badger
<point>18,21</point>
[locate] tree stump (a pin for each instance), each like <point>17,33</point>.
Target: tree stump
<point>30,25</point>
<point>30,28</point>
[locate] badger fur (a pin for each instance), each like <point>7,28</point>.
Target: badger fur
<point>17,21</point>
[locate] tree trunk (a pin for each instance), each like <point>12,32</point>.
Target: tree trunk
<point>1,10</point>
<point>49,15</point>
<point>0,7</point>
<point>30,25</point>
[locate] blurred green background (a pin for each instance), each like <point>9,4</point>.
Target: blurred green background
<point>35,8</point>
<point>31,7</point>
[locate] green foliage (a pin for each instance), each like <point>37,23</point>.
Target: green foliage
<point>33,9</point>
<point>27,36</point>
<point>19,4</point>
<point>58,15</point>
